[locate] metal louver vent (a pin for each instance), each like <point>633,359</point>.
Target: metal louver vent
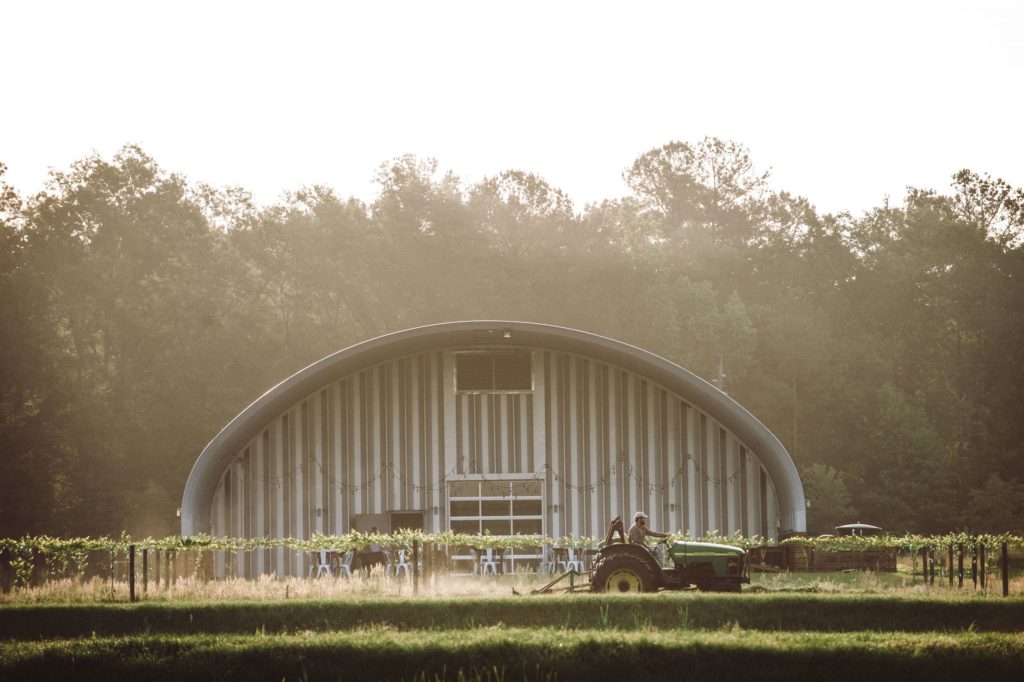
<point>497,371</point>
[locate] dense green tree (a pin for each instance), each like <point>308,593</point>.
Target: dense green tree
<point>431,260</point>
<point>996,507</point>
<point>131,288</point>
<point>994,206</point>
<point>710,187</point>
<point>909,473</point>
<point>710,199</point>
<point>33,456</point>
<point>829,500</point>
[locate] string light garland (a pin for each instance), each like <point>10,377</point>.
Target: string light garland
<point>621,467</point>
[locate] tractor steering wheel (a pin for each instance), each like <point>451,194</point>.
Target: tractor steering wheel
<point>660,550</point>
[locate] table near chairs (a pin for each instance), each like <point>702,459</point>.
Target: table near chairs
<point>399,562</point>
<point>330,561</point>
<point>492,561</point>
<point>336,562</point>
<point>371,557</point>
<point>579,559</point>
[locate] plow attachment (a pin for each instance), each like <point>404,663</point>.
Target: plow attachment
<point>574,585</point>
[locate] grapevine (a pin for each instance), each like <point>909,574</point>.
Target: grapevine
<point>58,555</point>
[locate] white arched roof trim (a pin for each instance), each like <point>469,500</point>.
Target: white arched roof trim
<point>202,481</point>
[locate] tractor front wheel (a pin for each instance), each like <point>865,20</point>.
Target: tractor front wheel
<point>622,573</point>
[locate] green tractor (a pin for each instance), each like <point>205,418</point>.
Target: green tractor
<point>624,567</point>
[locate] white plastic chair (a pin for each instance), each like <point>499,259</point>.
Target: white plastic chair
<point>547,563</point>
<point>401,563</point>
<point>321,564</point>
<point>346,563</point>
<point>489,562</point>
<point>571,561</point>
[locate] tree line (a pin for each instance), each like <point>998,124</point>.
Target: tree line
<point>141,312</point>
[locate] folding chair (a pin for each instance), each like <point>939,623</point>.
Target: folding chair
<point>346,563</point>
<point>401,563</point>
<point>489,562</point>
<point>547,563</point>
<point>321,564</point>
<point>571,561</point>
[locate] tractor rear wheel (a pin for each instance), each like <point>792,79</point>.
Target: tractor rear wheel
<point>622,573</point>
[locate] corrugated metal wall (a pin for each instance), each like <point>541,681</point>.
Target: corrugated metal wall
<point>605,442</point>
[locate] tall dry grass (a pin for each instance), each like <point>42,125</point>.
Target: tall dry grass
<point>269,588</point>
<point>377,584</point>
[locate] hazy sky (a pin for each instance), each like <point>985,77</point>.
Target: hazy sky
<point>846,102</point>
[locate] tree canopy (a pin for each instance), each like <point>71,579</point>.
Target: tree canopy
<point>140,312</point>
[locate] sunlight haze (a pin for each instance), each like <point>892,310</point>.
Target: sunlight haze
<point>846,103</point>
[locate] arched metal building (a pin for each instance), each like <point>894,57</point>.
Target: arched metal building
<point>490,426</point>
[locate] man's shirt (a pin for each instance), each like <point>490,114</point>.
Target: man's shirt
<point>637,534</point>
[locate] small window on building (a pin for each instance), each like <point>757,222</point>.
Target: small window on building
<point>494,371</point>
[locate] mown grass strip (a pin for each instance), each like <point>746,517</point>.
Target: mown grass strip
<point>521,653</point>
<point>792,612</point>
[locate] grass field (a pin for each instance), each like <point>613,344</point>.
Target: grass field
<point>788,627</point>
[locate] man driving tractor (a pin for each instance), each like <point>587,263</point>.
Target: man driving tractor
<point>639,531</point>
<point>629,565</point>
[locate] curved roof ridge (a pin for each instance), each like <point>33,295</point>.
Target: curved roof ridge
<point>202,480</point>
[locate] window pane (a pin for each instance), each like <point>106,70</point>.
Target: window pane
<point>495,489</point>
<point>465,488</point>
<point>495,527</point>
<point>495,508</point>
<point>474,372</point>
<point>464,508</point>
<point>512,371</point>
<point>527,526</point>
<point>472,527</point>
<point>527,508</point>
<point>526,488</point>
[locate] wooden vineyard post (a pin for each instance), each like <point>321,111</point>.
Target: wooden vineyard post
<point>145,569</point>
<point>981,564</point>
<point>131,573</point>
<point>960,565</point>
<point>1004,567</point>
<point>437,566</point>
<point>924,565</point>
<point>415,567</point>
<point>974,565</point>
<point>931,563</point>
<point>156,566</point>
<point>114,558</point>
<point>426,565</point>
<point>950,564</point>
